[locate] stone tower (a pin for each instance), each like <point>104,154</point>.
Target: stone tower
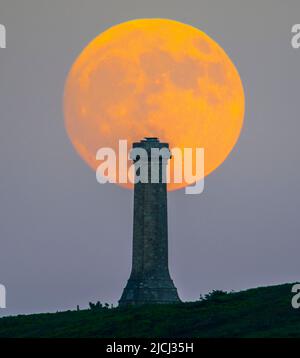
<point>150,281</point>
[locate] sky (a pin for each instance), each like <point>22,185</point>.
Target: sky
<point>65,240</point>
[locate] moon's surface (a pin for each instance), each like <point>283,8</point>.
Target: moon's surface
<point>154,78</point>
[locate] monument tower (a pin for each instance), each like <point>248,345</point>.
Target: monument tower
<point>150,280</point>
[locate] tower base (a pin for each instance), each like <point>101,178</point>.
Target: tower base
<point>140,291</point>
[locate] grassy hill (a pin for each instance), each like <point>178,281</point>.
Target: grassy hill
<point>259,312</point>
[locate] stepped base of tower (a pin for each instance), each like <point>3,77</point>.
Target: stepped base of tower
<point>156,291</point>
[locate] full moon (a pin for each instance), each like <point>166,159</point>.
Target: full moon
<point>154,78</point>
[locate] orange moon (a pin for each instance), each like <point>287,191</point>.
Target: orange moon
<point>154,78</point>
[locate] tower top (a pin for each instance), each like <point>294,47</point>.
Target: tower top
<point>150,142</point>
<point>150,139</point>
<point>147,145</point>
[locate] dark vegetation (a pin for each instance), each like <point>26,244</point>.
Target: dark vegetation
<point>259,312</point>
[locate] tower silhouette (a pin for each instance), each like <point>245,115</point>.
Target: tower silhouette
<point>150,280</point>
